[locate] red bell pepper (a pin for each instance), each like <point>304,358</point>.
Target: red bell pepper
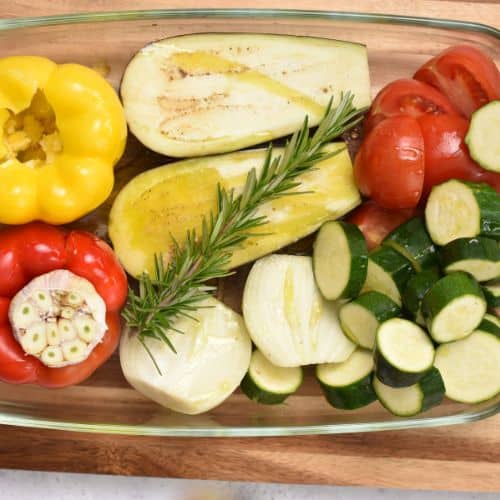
<point>32,250</point>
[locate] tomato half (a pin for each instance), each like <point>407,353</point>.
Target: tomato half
<point>446,155</point>
<point>389,166</point>
<point>407,97</point>
<point>465,74</point>
<point>376,222</point>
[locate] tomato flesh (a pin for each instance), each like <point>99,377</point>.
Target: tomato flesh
<point>465,74</point>
<point>407,97</point>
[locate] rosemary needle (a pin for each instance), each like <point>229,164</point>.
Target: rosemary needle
<point>176,289</point>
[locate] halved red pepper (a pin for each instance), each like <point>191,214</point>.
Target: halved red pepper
<point>33,250</point>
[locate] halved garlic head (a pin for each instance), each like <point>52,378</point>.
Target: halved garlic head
<point>59,318</point>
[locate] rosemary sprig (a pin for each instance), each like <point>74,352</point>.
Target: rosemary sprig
<point>177,289</point>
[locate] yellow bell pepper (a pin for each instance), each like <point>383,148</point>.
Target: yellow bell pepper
<point>62,129</point>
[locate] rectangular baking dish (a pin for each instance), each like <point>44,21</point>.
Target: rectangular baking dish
<point>106,403</point>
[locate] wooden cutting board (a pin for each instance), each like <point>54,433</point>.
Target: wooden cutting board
<point>465,457</point>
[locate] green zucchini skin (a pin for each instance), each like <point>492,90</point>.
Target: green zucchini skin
<point>255,393</point>
<point>433,389</point>
<point>413,242</point>
<point>399,269</point>
<point>488,201</point>
<point>447,289</point>
<point>380,306</point>
<point>492,295</point>
<point>490,324</point>
<point>392,376</point>
<point>358,260</point>
<point>415,291</point>
<point>462,249</point>
<point>350,397</point>
<point>258,370</point>
<point>430,386</point>
<point>388,369</point>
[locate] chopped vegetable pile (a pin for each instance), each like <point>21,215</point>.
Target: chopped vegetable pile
<point>398,300</point>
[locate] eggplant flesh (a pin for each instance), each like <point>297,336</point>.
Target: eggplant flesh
<point>209,93</point>
<point>161,204</point>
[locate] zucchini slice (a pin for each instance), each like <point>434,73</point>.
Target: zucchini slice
<point>483,136</point>
<point>207,93</point>
<point>453,307</point>
<point>478,256</point>
<point>159,205</point>
<point>388,273</point>
<point>287,317</point>
<point>492,294</point>
<point>415,291</point>
<point>340,260</point>
<point>490,324</point>
<point>458,209</point>
<point>412,241</point>
<point>360,318</point>
<point>348,385</point>
<point>470,367</point>
<point>403,353</point>
<point>408,401</point>
<point>267,383</point>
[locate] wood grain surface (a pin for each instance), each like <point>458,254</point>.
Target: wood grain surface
<point>452,458</point>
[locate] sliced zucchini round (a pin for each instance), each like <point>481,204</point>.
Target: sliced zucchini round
<point>416,289</point>
<point>412,241</point>
<point>482,136</point>
<point>267,383</point>
<point>490,324</point>
<point>492,294</point>
<point>340,260</point>
<point>361,317</point>
<point>403,353</point>
<point>470,367</point>
<point>388,273</point>
<point>348,385</point>
<point>453,307</point>
<point>408,401</point>
<point>458,209</point>
<point>478,256</point>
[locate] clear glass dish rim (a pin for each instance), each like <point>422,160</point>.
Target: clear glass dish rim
<point>246,431</point>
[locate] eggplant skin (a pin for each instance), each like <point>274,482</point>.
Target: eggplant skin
<point>164,202</point>
<point>209,93</point>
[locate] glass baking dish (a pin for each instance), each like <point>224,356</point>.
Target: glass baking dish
<point>105,402</point>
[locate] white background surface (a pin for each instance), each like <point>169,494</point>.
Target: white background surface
<point>23,485</point>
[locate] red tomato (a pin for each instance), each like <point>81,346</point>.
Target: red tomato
<point>446,155</point>
<point>407,97</point>
<point>389,166</point>
<point>465,74</point>
<point>376,222</point>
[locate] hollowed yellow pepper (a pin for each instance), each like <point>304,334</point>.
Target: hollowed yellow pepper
<point>62,129</point>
